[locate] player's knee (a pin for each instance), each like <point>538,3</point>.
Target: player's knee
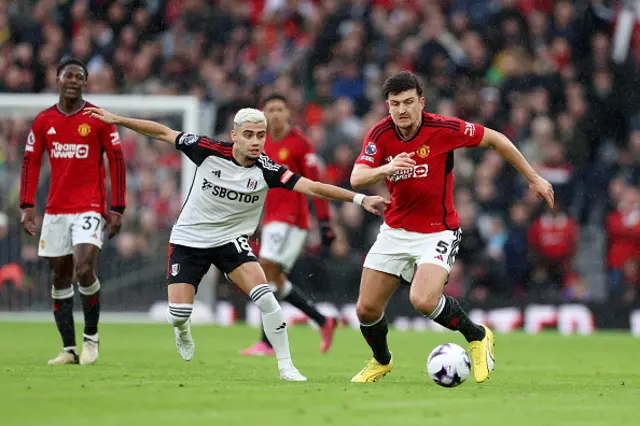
<point>368,312</point>
<point>425,303</point>
<point>84,271</point>
<point>61,279</point>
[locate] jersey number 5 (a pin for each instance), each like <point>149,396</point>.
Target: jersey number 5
<point>242,244</point>
<point>442,247</point>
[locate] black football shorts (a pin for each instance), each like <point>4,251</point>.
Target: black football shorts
<point>189,264</point>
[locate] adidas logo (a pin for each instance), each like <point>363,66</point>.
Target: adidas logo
<point>281,326</point>
<point>51,131</point>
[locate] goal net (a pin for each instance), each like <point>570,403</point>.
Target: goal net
<point>132,266</point>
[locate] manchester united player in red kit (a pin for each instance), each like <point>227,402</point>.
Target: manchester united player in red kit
<point>74,221</point>
<point>286,219</point>
<point>413,151</point>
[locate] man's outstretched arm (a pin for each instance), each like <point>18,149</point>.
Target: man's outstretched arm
<point>146,127</point>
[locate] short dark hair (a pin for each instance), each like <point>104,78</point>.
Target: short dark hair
<point>275,97</point>
<point>401,82</point>
<point>65,62</point>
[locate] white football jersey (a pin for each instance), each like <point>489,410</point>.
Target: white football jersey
<point>226,199</point>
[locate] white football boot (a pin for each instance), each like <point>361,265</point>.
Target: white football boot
<point>184,342</point>
<point>291,374</point>
<point>89,353</point>
<point>64,357</point>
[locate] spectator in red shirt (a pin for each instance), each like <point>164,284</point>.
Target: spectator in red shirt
<point>553,240</point>
<point>623,231</point>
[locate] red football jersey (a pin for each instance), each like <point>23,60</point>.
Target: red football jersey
<point>76,144</point>
<point>296,153</point>
<point>421,198</point>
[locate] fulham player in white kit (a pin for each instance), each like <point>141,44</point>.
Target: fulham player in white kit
<point>221,211</point>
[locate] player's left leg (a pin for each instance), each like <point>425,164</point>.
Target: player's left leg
<point>250,278</point>
<point>86,235</point>
<point>294,295</point>
<point>427,296</point>
<point>181,296</point>
<point>287,292</point>
<point>279,251</point>
<point>85,256</point>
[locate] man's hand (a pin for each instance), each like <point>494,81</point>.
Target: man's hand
<point>542,189</point>
<point>29,221</point>
<point>402,161</point>
<point>326,232</point>
<point>101,114</point>
<point>375,204</point>
<point>115,223</point>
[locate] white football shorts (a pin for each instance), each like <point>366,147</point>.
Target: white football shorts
<point>399,252</point>
<point>60,232</point>
<point>282,243</point>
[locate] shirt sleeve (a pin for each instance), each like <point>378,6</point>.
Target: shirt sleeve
<point>110,140</point>
<point>456,133</point>
<point>198,148</point>
<point>277,175</point>
<point>31,162</point>
<point>371,154</point>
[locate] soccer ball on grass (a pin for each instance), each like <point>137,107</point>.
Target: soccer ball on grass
<point>449,365</point>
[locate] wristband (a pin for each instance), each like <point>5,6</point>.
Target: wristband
<point>357,199</point>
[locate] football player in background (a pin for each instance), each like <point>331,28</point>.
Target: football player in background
<point>76,213</point>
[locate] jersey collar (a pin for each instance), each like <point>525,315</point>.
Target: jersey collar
<point>233,159</point>
<point>84,104</point>
<point>399,136</point>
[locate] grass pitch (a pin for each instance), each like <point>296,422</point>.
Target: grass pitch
<point>542,380</point>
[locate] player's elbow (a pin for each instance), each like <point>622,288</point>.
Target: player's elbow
<point>496,140</point>
<point>168,136</point>
<point>357,183</point>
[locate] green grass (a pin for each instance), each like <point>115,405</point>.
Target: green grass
<point>540,380</point>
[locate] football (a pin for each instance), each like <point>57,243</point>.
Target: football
<point>449,365</point>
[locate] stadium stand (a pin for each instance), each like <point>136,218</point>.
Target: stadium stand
<point>540,71</point>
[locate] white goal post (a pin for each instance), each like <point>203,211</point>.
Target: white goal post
<point>196,118</point>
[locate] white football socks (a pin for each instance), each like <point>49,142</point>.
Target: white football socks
<point>178,314</point>
<point>273,321</point>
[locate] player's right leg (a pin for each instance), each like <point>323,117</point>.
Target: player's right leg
<point>376,288</point>
<point>250,278</point>
<point>62,295</point>
<point>55,245</point>
<point>384,264</point>
<point>186,267</point>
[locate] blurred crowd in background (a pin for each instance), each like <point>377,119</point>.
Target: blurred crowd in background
<point>539,71</point>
